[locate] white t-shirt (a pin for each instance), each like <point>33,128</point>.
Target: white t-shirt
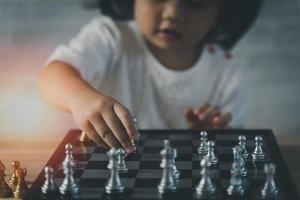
<point>113,58</point>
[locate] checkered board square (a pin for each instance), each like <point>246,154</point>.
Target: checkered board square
<point>141,181</point>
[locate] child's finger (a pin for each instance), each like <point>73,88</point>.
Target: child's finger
<point>104,131</point>
<point>119,131</point>
<point>222,120</point>
<point>92,133</point>
<point>126,119</point>
<point>190,118</point>
<point>201,108</point>
<point>209,113</point>
<point>189,115</point>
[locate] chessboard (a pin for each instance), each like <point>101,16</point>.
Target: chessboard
<point>144,175</point>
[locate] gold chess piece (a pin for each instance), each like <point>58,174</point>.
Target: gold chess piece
<point>83,137</point>
<point>21,187</point>
<point>14,179</point>
<point>5,190</point>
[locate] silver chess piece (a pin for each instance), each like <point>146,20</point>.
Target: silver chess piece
<point>49,186</point>
<point>167,183</point>
<point>269,190</point>
<point>176,172</point>
<point>202,149</point>
<point>69,155</point>
<point>168,148</point>
<point>121,164</point>
<point>242,144</point>
<point>69,186</point>
<point>205,187</point>
<point>258,153</point>
<point>236,186</point>
<point>211,157</point>
<point>114,184</point>
<point>136,125</point>
<point>238,158</point>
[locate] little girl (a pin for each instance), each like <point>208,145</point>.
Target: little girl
<point>165,62</point>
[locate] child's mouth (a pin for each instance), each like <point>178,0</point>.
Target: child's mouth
<point>169,34</point>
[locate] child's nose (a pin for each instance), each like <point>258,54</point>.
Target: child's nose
<point>174,11</point>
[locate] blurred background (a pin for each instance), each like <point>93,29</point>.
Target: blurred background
<point>31,29</point>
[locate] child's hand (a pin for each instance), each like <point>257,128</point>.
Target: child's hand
<point>104,120</point>
<point>206,116</point>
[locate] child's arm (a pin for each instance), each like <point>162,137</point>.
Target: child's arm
<point>103,118</point>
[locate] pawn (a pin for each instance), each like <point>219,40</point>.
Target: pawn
<point>205,187</point>
<point>211,157</point>
<point>49,187</point>
<point>136,125</point>
<point>258,153</point>
<point>269,190</point>
<point>242,144</point>
<point>202,149</point>
<point>69,187</point>
<point>83,137</point>
<point>14,179</point>
<point>5,190</point>
<point>69,159</point>
<point>236,187</point>
<point>21,187</point>
<point>114,184</point>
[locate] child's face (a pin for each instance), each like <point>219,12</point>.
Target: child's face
<point>175,24</point>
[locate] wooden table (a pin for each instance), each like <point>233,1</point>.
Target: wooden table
<point>34,154</point>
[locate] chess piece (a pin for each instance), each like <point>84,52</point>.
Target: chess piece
<point>258,153</point>
<point>202,149</point>
<point>49,187</point>
<point>176,172</point>
<point>114,184</point>
<point>167,183</point>
<point>69,159</point>
<point>205,187</point>
<point>69,186</point>
<point>5,190</point>
<point>121,164</point>
<point>236,187</point>
<point>239,160</point>
<point>242,144</point>
<point>14,179</point>
<point>83,137</point>
<point>269,190</point>
<point>21,187</point>
<point>136,125</point>
<point>211,157</point>
<point>168,148</point>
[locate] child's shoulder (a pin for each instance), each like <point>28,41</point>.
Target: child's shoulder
<point>106,27</point>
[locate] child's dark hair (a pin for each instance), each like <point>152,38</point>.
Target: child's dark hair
<point>235,18</point>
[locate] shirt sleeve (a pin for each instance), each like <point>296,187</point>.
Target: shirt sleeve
<point>233,94</point>
<point>92,51</point>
